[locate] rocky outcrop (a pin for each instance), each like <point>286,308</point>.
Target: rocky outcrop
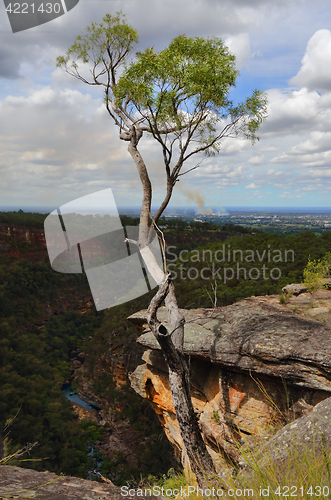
<point>294,289</point>
<point>253,363</point>
<point>296,442</point>
<point>21,235</point>
<point>21,484</point>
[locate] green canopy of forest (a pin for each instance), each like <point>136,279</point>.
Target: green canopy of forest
<point>41,322</point>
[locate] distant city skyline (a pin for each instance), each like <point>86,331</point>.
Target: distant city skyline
<point>57,142</point>
<point>193,209</point>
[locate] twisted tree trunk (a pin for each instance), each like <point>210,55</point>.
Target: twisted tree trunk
<point>171,342</point>
<point>179,381</point>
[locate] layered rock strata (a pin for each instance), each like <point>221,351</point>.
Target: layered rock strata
<point>254,364</point>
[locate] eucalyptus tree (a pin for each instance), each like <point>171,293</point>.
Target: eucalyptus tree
<point>179,97</point>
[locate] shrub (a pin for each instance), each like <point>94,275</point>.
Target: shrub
<point>315,271</point>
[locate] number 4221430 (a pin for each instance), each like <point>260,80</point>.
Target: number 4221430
<point>25,8</point>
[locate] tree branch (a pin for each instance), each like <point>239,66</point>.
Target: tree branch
<point>155,303</point>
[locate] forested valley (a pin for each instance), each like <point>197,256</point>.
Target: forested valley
<point>49,317</point>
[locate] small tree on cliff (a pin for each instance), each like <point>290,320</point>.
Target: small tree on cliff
<point>180,97</point>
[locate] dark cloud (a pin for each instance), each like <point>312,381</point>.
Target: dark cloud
<point>9,67</point>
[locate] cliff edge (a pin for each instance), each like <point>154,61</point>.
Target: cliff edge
<point>21,484</point>
<point>255,365</point>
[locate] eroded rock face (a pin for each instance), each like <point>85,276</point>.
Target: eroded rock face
<point>296,442</point>
<point>252,364</point>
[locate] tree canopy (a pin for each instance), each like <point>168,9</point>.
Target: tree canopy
<point>184,88</point>
<point>179,95</point>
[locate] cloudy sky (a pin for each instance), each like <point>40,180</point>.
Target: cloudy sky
<point>58,143</point>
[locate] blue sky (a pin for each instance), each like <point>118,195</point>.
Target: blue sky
<point>58,143</point>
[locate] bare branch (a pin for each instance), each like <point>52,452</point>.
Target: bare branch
<point>163,246</point>
<point>134,242</point>
<point>214,141</point>
<point>190,170</point>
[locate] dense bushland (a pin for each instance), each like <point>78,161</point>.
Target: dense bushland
<point>43,317</point>
<point>283,257</point>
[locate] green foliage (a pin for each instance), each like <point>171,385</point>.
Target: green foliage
<point>92,431</point>
<point>315,271</point>
<point>182,89</point>
<point>306,474</point>
<point>188,67</point>
<point>26,219</point>
<point>171,481</point>
<point>253,110</point>
<point>198,292</point>
<point>186,85</point>
<point>112,36</point>
<point>40,323</point>
<point>34,362</point>
<point>282,299</point>
<point>129,221</point>
<point>215,416</point>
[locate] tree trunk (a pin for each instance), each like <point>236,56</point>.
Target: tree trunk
<point>136,135</point>
<point>171,342</point>
<point>179,381</point>
<point>200,460</point>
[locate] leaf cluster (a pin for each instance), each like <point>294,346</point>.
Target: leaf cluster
<point>185,87</point>
<point>25,219</point>
<point>315,272</point>
<point>189,68</point>
<point>105,45</point>
<point>181,90</point>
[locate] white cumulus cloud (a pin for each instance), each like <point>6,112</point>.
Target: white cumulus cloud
<point>252,186</point>
<point>240,46</point>
<point>315,71</point>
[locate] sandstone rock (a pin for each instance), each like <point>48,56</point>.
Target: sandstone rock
<point>252,364</point>
<point>21,484</point>
<point>294,289</point>
<point>322,293</point>
<point>261,338</point>
<point>304,299</point>
<point>316,311</point>
<point>84,413</point>
<point>296,442</point>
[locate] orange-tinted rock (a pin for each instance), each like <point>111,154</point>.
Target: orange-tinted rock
<point>254,365</point>
<point>120,374</point>
<point>84,413</point>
